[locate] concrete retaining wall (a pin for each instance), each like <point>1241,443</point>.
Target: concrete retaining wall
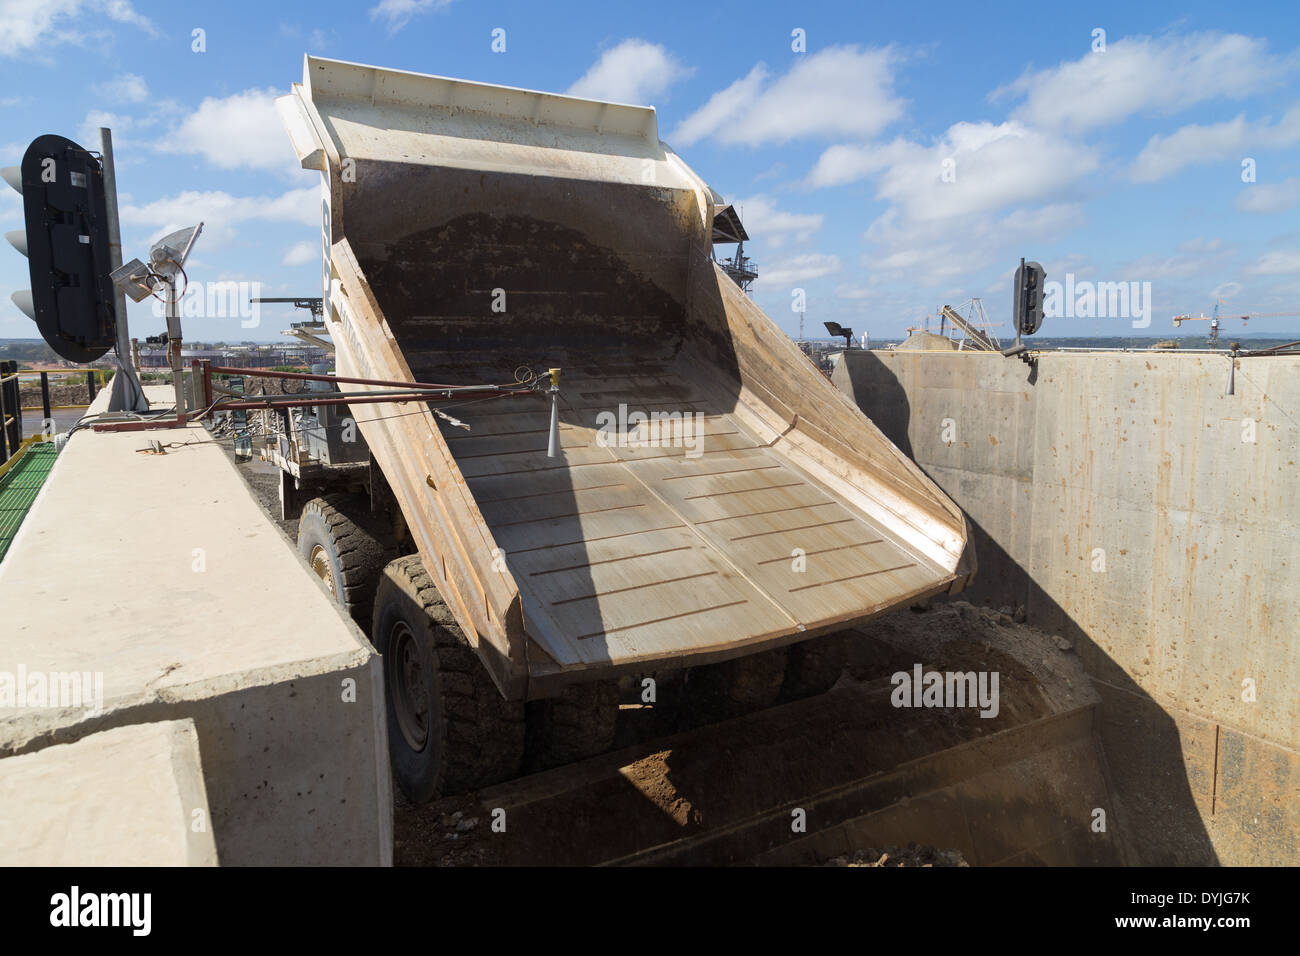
<point>1131,505</point>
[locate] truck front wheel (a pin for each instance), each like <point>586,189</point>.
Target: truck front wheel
<point>347,548</point>
<point>449,729</point>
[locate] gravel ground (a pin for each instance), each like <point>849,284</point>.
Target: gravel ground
<point>264,480</point>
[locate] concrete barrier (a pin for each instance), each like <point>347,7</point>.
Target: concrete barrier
<point>132,796</point>
<point>1132,505</point>
<point>147,587</point>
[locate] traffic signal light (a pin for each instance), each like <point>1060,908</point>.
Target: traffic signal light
<point>1028,297</point>
<point>66,242</point>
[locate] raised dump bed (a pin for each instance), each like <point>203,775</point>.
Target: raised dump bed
<point>475,229</point>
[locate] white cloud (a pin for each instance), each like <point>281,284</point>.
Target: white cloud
<point>1196,144</point>
<point>130,128</point>
<point>839,91</point>
<point>1145,75</point>
<point>810,265</point>
<point>239,130</point>
<point>763,221</point>
<point>28,23</point>
<point>88,131</point>
<point>721,107</point>
<point>126,88</point>
<point>397,13</point>
<point>221,213</point>
<point>301,253</point>
<point>34,25</point>
<point>633,72</point>
<point>990,167</point>
<point>843,163</point>
<point>935,253</point>
<point>122,12</point>
<point>869,289</point>
<point>1195,257</point>
<point>1276,263</point>
<point>941,226</point>
<point>1269,197</point>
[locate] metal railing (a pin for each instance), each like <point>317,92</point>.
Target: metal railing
<point>11,406</point>
<point>11,415</point>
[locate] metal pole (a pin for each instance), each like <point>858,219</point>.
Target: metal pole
<point>553,433</point>
<point>4,423</point>
<point>17,397</point>
<point>11,406</point>
<point>45,396</point>
<point>310,377</point>
<point>127,393</point>
<point>90,383</point>
<point>174,345</point>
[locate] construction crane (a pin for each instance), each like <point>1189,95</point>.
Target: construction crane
<point>978,336</point>
<point>1214,319</point>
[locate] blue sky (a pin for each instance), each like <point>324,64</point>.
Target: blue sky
<point>907,158</point>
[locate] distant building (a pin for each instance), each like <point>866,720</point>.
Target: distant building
<point>241,356</point>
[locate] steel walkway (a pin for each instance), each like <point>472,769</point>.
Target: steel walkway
<point>19,487</point>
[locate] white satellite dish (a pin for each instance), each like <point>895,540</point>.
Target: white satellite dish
<point>169,253</point>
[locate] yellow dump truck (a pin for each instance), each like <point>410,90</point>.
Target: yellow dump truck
<point>715,508</point>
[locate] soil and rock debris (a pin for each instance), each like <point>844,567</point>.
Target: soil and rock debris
<point>452,832</point>
<point>911,855</point>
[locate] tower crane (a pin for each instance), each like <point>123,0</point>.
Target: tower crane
<point>1214,319</point>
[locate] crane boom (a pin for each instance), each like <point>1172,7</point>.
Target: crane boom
<point>1214,319</point>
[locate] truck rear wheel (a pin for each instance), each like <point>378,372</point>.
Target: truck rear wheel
<point>449,729</point>
<point>815,666</point>
<point>347,548</point>
<point>581,722</point>
<point>735,687</point>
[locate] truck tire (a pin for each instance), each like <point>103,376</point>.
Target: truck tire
<point>347,548</point>
<point>735,687</point>
<point>815,666</point>
<point>581,722</point>
<point>449,729</point>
